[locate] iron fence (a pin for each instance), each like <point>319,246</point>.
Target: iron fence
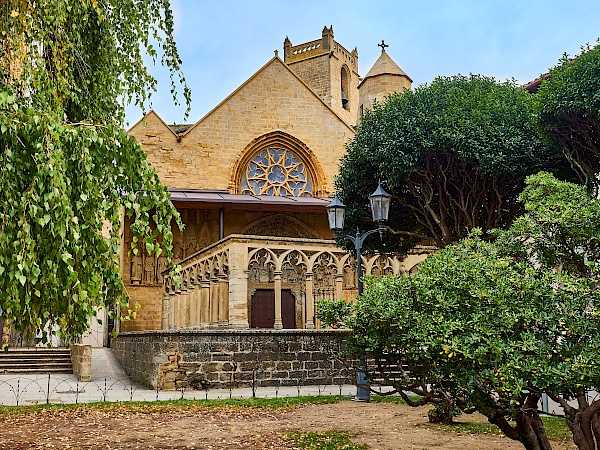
<point>25,389</point>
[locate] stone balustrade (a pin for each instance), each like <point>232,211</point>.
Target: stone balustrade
<point>217,284</point>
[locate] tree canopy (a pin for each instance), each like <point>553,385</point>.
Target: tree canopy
<point>69,171</point>
<point>568,107</point>
<point>560,229</point>
<point>454,155</point>
<point>491,326</point>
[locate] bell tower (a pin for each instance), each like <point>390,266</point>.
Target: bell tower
<point>384,78</point>
<point>329,70</point>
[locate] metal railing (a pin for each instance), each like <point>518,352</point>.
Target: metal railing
<point>22,389</point>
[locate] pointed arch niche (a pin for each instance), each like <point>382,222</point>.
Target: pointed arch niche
<point>277,163</point>
<point>280,225</point>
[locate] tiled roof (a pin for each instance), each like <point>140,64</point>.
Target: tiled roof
<point>534,85</point>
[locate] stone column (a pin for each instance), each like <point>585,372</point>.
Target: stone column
<point>177,310</point>
<point>183,307</point>
<point>214,302</point>
<point>278,322</point>
<point>339,286</point>
<point>223,301</point>
<point>310,303</point>
<point>191,312</point>
<point>198,305</point>
<point>238,286</point>
<point>172,296</point>
<point>164,323</point>
<point>205,303</point>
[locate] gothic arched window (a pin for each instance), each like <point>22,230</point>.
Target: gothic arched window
<point>277,171</point>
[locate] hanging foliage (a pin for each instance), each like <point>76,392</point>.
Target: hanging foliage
<point>69,170</point>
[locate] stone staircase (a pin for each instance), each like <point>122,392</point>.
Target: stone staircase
<point>37,360</point>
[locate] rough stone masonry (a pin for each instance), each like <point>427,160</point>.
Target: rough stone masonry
<point>207,359</point>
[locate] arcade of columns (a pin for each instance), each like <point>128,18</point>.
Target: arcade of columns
<point>217,284</point>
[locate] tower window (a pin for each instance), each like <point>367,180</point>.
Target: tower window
<point>345,85</point>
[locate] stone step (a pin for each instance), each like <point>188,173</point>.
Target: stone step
<point>36,361</point>
<point>27,363</point>
<point>36,370</point>
<point>36,350</point>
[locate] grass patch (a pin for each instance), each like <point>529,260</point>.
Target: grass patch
<point>326,440</point>
<point>150,407</point>
<point>388,399</point>
<point>556,428</point>
<point>468,428</point>
<point>393,399</point>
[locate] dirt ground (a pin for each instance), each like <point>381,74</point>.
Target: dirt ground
<point>380,425</point>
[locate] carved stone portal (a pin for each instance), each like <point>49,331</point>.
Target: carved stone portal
<point>281,226</point>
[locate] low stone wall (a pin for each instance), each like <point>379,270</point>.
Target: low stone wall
<point>232,358</point>
<point>81,357</point>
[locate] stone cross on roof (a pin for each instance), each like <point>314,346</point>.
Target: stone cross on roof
<point>383,45</point>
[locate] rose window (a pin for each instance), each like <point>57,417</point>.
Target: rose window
<point>276,172</point>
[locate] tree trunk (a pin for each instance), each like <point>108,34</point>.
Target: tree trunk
<point>583,421</point>
<point>532,430</point>
<point>5,334</point>
<point>529,429</point>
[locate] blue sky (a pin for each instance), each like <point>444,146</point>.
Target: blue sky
<point>222,43</point>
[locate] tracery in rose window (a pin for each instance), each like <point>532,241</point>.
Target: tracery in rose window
<point>276,171</point>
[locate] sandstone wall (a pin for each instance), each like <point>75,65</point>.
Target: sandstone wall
<point>379,87</point>
<point>273,99</point>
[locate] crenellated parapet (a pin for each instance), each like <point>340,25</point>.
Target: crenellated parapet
<point>324,46</point>
<point>306,50</point>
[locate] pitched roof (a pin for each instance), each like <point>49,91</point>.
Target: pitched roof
<point>152,113</point>
<point>181,130</point>
<point>274,60</point>
<point>385,66</point>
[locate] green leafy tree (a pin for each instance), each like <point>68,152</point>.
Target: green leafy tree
<point>67,70</point>
<point>333,312</point>
<point>568,105</point>
<point>491,326</point>
<point>561,232</point>
<point>560,229</point>
<point>454,155</point>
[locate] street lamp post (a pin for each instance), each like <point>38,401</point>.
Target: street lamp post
<point>380,207</point>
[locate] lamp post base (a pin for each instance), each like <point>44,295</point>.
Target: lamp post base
<point>363,391</point>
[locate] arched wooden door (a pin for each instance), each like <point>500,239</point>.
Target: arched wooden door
<point>262,309</point>
<point>288,309</point>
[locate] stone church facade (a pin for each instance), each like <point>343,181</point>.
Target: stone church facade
<point>251,180</point>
